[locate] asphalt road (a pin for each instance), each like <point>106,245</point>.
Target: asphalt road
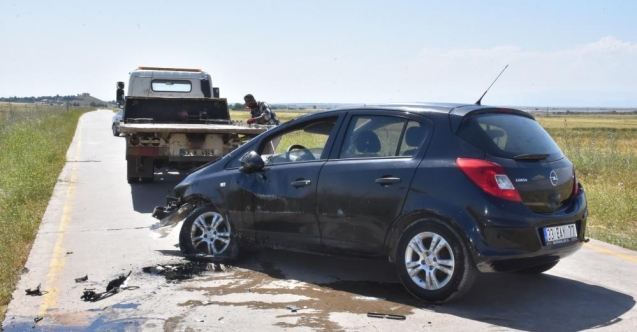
<point>96,225</point>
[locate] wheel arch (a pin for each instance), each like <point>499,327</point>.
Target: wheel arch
<point>198,200</point>
<point>400,225</point>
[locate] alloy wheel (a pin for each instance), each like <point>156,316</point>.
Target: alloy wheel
<point>210,233</point>
<point>429,261</point>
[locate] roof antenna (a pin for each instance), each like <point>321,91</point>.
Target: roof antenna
<point>479,100</point>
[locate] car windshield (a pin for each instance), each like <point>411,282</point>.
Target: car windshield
<point>508,136</point>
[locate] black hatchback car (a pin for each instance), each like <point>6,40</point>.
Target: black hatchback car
<point>441,190</point>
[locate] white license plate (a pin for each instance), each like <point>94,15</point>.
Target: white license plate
<point>196,153</point>
<point>559,234</point>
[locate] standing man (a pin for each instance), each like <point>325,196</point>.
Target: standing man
<point>260,112</point>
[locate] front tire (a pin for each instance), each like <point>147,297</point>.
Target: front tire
<point>115,131</point>
<point>432,262</point>
<point>206,232</point>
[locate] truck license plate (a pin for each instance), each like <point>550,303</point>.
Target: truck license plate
<point>196,153</point>
<point>559,234</point>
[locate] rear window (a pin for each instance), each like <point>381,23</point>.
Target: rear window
<point>171,86</point>
<point>507,135</point>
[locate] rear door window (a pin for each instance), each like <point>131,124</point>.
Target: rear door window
<point>376,136</point>
<point>508,136</point>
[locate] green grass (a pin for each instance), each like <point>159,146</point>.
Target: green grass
<point>283,116</point>
<point>613,121</point>
<point>33,145</point>
<point>604,152</point>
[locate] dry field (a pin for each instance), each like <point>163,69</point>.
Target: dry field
<point>604,151</point>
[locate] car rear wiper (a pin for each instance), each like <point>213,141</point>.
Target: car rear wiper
<point>531,156</point>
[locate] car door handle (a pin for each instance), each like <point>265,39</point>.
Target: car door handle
<point>388,180</point>
<point>300,183</point>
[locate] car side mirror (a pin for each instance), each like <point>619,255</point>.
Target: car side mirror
<point>120,94</point>
<point>251,162</point>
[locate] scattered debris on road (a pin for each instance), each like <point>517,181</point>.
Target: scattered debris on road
<point>35,292</point>
<point>117,283</point>
<point>388,316</point>
<point>179,272</point>
<point>69,252</point>
<point>82,279</point>
<point>113,287</point>
<point>292,307</point>
<point>90,295</point>
<point>38,318</point>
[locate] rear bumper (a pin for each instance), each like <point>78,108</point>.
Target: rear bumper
<point>516,261</point>
<point>514,242</point>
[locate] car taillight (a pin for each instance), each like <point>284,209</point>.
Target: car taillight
<point>490,177</point>
<point>575,186</point>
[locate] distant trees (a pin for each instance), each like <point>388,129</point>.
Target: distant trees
<point>237,107</point>
<point>74,100</point>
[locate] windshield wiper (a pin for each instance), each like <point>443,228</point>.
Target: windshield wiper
<point>531,156</point>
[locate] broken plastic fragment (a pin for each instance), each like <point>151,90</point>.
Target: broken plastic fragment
<point>34,292</point>
<point>82,279</point>
<point>388,316</point>
<point>89,295</point>
<point>162,228</point>
<point>117,283</point>
<point>292,307</point>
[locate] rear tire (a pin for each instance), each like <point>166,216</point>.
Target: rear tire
<point>206,232</point>
<point>539,269</point>
<point>433,263</point>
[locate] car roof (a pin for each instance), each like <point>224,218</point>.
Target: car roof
<point>455,112</point>
<point>446,108</point>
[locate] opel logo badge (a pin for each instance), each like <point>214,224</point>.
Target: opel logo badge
<point>553,178</point>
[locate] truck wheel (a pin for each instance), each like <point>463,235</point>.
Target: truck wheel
<point>115,131</point>
<point>433,263</point>
<point>206,232</point>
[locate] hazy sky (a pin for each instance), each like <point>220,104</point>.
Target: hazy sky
<point>560,53</point>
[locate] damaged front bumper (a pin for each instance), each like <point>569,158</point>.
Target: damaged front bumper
<point>169,216</point>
